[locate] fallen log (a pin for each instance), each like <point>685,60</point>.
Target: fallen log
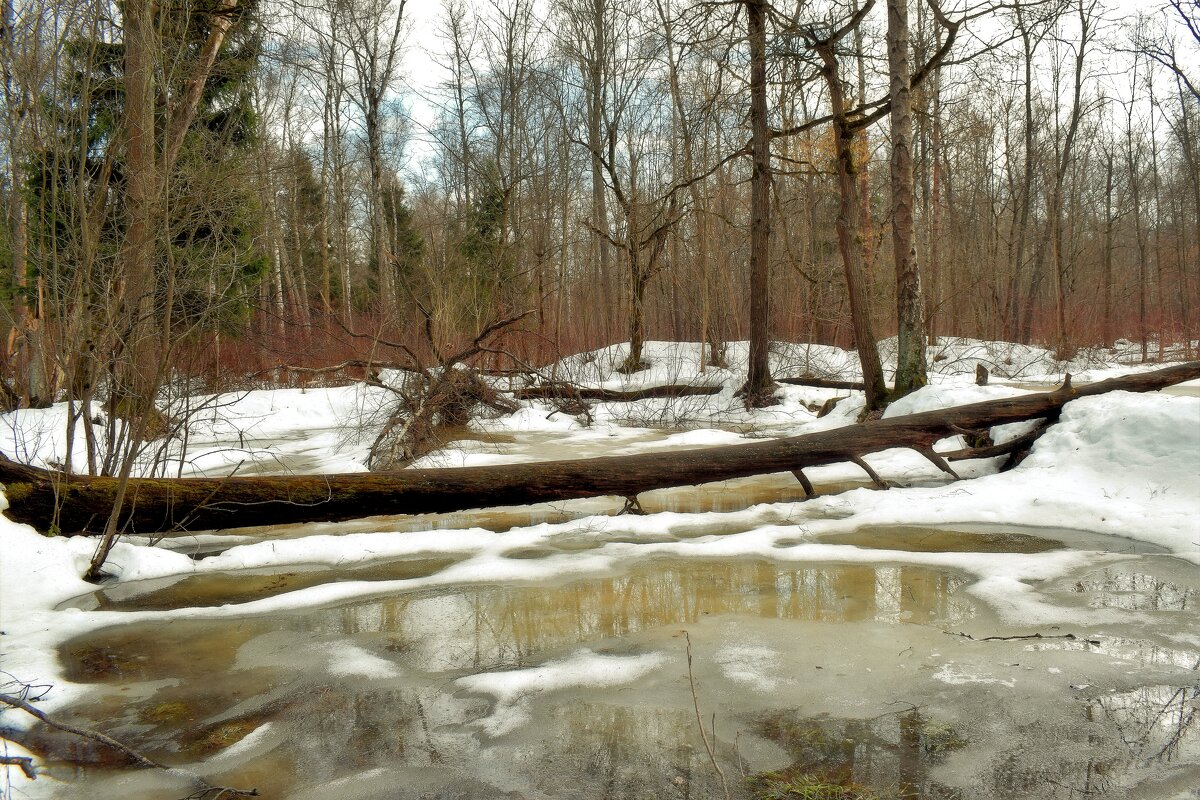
<point>824,383</point>
<point>80,504</point>
<point>556,391</point>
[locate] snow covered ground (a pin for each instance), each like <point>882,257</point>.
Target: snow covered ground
<point>1120,470</point>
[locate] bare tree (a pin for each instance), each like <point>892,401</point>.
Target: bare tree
<point>910,310</point>
<point>373,36</point>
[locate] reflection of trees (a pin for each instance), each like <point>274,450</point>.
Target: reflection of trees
<point>487,628</point>
<point>1155,722</point>
<point>512,626</point>
<point>1136,591</point>
<point>891,754</point>
<point>622,752</point>
<point>1120,739</point>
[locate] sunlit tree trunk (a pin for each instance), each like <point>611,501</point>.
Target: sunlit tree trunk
<point>759,386</point>
<point>850,234</point>
<point>910,310</point>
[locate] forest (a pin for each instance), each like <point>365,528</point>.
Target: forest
<point>226,187</point>
<point>755,399</point>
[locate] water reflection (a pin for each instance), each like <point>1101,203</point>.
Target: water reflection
<point>485,627</point>
<point>366,692</point>
<point>1106,747</point>
<point>1157,723</point>
<point>936,540</point>
<point>219,588</point>
<point>1119,587</point>
<point>890,756</point>
<point>514,626</point>
<point>621,752</point>
<point>1142,652</point>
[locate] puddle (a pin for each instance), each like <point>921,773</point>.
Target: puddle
<point>806,675</point>
<point>986,538</point>
<point>191,689</point>
<point>477,627</point>
<point>891,755</point>
<point>935,540</point>
<point>1157,723</point>
<point>215,589</point>
<point>1140,652</point>
<point>1148,738</point>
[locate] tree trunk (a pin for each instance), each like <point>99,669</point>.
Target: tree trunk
<point>40,498</point>
<point>850,235</point>
<point>910,322</point>
<point>553,391</point>
<point>759,386</point>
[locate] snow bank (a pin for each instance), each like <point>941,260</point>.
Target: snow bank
<point>1121,464</point>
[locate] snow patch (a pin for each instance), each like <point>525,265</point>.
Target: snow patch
<point>513,689</point>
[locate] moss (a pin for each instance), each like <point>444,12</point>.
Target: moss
<point>938,737</point>
<point>785,729</point>
<point>167,713</point>
<point>223,735</point>
<point>16,492</point>
<point>804,786</point>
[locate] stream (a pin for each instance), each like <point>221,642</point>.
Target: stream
<point>664,673</point>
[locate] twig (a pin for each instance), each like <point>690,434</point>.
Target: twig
<point>206,788</point>
<point>1004,448</point>
<point>700,723</point>
<point>95,736</point>
<point>24,762</point>
<point>1072,637</point>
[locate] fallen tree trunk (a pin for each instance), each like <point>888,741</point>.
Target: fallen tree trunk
<point>79,504</point>
<point>556,391</point>
<point>824,383</point>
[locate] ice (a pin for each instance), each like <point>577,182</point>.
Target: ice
<point>755,665</point>
<point>951,674</point>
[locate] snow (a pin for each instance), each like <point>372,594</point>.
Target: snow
<point>1119,465</point>
<point>755,665</point>
<point>348,661</point>
<point>949,674</point>
<point>512,689</point>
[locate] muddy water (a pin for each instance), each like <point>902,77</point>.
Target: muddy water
<point>849,680</point>
<point>189,689</point>
<point>495,627</point>
<point>199,591</point>
<point>806,675</point>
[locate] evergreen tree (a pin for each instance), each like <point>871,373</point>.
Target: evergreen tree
<point>206,254</point>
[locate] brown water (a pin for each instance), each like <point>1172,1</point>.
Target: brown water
<point>188,689</point>
<point>938,540</point>
<point>804,675</point>
<point>809,673</point>
<point>491,627</point>
<point>215,589</point>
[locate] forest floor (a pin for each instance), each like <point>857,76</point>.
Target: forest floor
<point>537,651</point>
